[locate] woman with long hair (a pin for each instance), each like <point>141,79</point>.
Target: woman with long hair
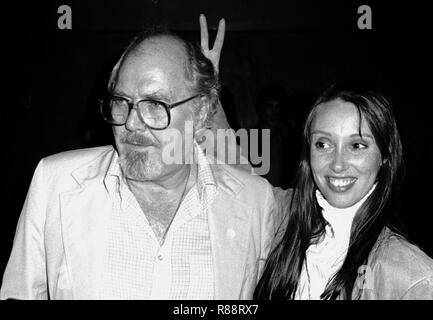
<point>340,237</point>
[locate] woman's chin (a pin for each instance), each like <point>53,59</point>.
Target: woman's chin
<point>340,201</point>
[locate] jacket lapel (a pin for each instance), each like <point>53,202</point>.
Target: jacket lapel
<point>229,225</point>
<point>84,215</point>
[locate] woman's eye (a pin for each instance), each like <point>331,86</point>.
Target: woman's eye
<point>321,145</point>
<point>359,146</point>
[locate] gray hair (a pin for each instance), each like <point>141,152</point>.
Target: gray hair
<point>199,69</point>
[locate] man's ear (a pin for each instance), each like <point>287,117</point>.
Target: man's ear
<point>202,118</point>
<point>203,114</point>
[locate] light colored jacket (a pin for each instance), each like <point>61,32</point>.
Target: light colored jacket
<point>395,270</point>
<point>60,235</point>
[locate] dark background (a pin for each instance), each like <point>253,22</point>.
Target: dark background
<point>54,77</point>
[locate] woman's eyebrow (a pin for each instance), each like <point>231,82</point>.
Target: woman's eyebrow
<point>363,135</point>
<point>321,132</point>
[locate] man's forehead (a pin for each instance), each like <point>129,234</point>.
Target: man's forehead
<point>156,65</point>
<point>163,45</point>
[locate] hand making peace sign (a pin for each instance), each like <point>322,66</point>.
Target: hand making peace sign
<point>212,54</point>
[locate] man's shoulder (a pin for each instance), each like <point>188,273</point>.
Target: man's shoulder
<point>241,182</point>
<point>81,163</point>
<point>74,159</point>
<point>62,171</point>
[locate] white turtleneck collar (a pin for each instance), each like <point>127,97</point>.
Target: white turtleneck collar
<point>340,219</point>
<point>324,259</point>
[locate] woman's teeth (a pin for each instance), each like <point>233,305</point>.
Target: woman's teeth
<point>341,182</point>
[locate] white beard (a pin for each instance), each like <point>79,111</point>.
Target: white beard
<point>141,166</point>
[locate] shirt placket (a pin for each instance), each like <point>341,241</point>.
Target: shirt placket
<point>162,270</point>
<point>161,280</point>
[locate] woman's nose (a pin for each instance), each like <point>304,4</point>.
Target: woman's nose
<point>339,161</point>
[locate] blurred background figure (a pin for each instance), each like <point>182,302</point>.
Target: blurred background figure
<point>271,101</point>
<point>298,104</point>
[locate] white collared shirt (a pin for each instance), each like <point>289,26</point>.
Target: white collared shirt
<point>136,266</point>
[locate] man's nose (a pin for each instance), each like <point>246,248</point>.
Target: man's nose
<point>134,123</point>
<point>339,161</point>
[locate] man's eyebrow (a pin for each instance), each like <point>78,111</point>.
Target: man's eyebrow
<point>157,95</point>
<point>119,93</point>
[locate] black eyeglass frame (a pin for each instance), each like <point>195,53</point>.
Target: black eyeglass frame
<point>132,105</point>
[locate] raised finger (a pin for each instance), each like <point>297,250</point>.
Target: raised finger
<point>204,36</point>
<point>219,40</point>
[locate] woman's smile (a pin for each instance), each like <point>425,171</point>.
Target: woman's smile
<point>344,156</point>
<point>340,184</point>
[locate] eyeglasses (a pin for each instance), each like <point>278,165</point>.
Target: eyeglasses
<point>154,113</point>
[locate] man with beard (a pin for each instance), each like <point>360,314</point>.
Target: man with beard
<point>122,222</point>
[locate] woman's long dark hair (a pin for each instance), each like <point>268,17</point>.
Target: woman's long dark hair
<point>305,223</point>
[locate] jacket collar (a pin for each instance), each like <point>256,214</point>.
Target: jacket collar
<point>106,164</point>
<point>96,168</point>
<point>229,223</point>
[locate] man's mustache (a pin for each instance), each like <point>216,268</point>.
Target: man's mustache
<point>138,139</point>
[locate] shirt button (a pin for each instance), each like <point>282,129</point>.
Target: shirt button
<point>160,257</point>
<point>231,233</point>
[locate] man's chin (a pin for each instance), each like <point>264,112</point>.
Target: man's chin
<point>140,166</point>
<point>140,173</point>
